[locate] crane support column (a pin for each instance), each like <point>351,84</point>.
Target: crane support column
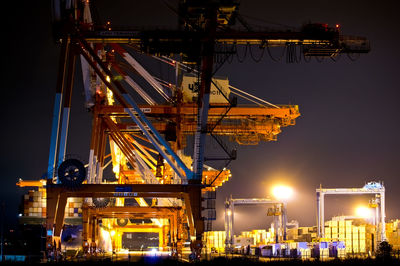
<point>383,216</point>
<point>57,107</point>
<point>67,107</point>
<point>322,210</point>
<point>284,219</point>
<point>204,95</point>
<point>318,214</point>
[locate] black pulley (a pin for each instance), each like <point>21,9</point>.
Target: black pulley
<point>71,173</point>
<point>122,221</point>
<point>101,202</point>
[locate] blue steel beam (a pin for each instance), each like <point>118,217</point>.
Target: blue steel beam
<point>57,108</point>
<point>67,108</point>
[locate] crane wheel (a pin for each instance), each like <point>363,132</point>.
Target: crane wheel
<point>122,222</point>
<point>71,173</point>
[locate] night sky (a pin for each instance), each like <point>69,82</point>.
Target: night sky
<point>348,132</point>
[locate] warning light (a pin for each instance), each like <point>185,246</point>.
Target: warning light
<point>337,26</point>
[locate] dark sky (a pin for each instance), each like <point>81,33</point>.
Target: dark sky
<point>348,132</point>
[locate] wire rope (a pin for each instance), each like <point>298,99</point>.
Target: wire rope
<point>250,95</point>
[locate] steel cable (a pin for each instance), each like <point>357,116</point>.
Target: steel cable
<point>244,56</point>
<point>272,57</point>
<point>257,59</point>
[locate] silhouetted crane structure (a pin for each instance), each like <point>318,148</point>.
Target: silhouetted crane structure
<point>146,140</point>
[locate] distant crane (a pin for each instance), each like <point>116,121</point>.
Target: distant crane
<point>279,213</point>
<point>372,187</point>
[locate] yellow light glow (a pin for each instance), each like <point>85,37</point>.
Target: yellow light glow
<point>105,240</point>
<point>282,192</point>
<point>363,212</point>
<point>112,233</point>
<point>229,213</point>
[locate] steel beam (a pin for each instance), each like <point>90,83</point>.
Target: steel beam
<point>67,107</point>
<point>284,112</point>
<point>62,68</point>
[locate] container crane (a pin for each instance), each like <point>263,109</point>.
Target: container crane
<point>203,26</point>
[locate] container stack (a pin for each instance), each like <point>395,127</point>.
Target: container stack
<point>305,250</point>
<point>323,250</point>
<point>214,241</point>
<point>74,207</point>
<point>305,234</point>
<point>354,235</point>
<point>260,237</point>
<point>393,233</point>
<point>35,203</point>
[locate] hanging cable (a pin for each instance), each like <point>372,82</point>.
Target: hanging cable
<point>245,54</point>
<point>306,58</point>
<point>261,56</point>
<point>272,57</point>
<point>233,51</point>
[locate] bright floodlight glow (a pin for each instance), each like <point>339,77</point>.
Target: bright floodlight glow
<point>282,192</point>
<point>153,252</point>
<point>229,212</point>
<point>363,212</point>
<point>112,233</point>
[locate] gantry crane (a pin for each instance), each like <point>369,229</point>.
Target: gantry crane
<point>279,212</point>
<point>161,171</point>
<point>373,187</point>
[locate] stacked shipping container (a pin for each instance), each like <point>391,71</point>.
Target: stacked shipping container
<point>356,236</point>
<point>214,241</point>
<point>393,233</point>
<point>35,205</point>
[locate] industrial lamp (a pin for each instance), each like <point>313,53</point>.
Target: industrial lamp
<point>282,192</point>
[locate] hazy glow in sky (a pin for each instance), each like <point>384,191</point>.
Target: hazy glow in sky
<point>364,212</point>
<point>282,192</point>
